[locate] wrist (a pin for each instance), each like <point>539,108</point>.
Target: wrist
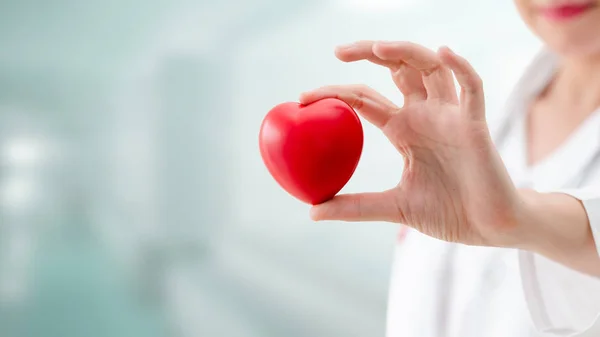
<point>550,223</point>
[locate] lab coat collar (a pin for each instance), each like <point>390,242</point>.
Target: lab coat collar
<point>573,157</point>
<point>534,79</point>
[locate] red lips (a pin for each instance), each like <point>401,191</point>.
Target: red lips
<point>564,12</point>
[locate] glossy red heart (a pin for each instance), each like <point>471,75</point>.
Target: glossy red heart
<point>311,150</point>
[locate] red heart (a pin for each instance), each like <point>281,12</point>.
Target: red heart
<point>311,150</point>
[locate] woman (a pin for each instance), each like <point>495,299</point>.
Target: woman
<point>455,185</point>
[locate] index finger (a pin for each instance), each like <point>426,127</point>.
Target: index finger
<point>373,106</point>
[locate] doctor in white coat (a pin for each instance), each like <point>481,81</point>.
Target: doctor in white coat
<point>505,224</point>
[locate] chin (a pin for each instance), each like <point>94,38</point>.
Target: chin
<point>573,47</point>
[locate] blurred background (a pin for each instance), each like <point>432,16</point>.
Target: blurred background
<point>133,200</point>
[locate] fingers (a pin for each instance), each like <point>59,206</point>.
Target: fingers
<point>361,50</point>
<point>407,79</point>
<point>472,96</point>
<point>410,82</point>
<point>374,107</point>
<point>437,78</point>
<point>359,207</point>
<point>423,74</point>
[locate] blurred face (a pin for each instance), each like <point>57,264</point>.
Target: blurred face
<point>569,27</point>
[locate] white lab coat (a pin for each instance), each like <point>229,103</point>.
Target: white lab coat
<point>440,289</point>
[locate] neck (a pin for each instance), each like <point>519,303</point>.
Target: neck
<point>577,84</point>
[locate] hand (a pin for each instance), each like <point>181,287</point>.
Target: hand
<point>454,186</point>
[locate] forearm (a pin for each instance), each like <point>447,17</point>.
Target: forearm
<point>556,225</point>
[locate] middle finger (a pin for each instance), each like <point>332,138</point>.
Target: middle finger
<point>408,79</point>
<point>437,78</point>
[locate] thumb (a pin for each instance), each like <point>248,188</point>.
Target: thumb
<point>380,206</point>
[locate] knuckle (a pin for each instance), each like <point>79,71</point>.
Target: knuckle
<point>401,68</point>
<point>357,102</point>
<point>476,84</point>
<point>477,80</point>
<point>358,95</point>
<point>359,207</point>
<point>434,68</point>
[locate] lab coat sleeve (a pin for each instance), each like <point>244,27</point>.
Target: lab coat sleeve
<point>562,301</point>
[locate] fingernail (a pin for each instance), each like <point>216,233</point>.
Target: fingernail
<point>303,97</point>
<point>344,47</point>
<point>448,49</point>
<point>313,213</point>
